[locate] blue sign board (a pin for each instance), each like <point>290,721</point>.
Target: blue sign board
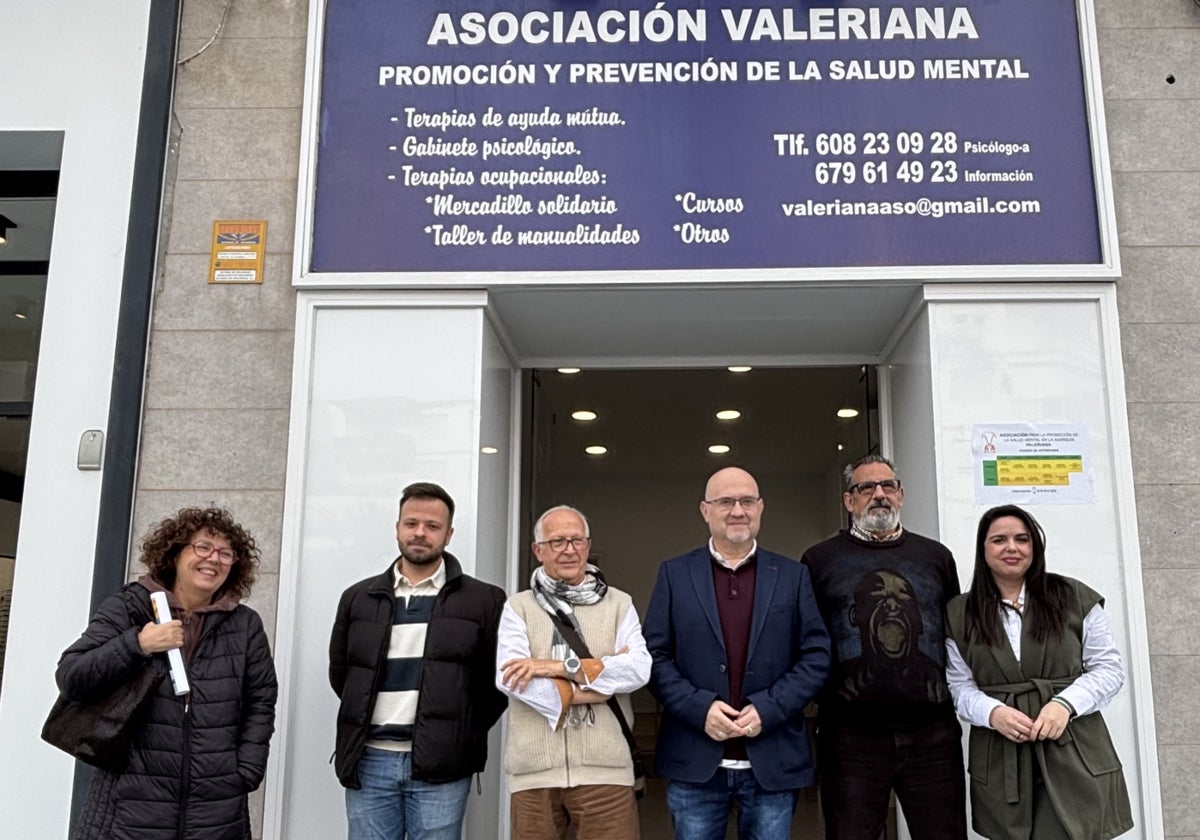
<point>559,135</point>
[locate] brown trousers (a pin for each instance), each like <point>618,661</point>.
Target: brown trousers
<point>598,812</point>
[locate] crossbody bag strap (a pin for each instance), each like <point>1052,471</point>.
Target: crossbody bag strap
<point>572,638</point>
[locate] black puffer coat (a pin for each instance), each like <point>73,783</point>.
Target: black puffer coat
<point>197,757</point>
<point>458,701</point>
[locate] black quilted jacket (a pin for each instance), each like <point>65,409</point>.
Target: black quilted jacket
<point>459,700</point>
<point>198,756</point>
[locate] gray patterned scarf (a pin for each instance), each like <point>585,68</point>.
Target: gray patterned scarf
<point>557,598</point>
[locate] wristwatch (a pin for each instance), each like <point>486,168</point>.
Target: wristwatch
<point>572,664</point>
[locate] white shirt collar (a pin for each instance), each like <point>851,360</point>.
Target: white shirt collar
<point>1019,604</point>
<point>720,558</point>
<point>435,581</point>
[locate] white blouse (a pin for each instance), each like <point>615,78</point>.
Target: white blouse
<point>1092,690</point>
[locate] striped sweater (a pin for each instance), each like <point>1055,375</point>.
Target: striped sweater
<point>395,710</point>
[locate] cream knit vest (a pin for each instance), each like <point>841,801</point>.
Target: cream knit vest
<point>590,754</point>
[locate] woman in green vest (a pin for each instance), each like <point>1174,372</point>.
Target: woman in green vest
<point>1030,663</point>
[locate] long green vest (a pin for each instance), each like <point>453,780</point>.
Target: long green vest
<point>1081,771</point>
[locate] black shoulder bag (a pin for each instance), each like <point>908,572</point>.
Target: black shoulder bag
<point>100,731</point>
<point>580,647</point>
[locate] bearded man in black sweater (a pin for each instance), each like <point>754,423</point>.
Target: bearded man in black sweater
<point>885,719</point>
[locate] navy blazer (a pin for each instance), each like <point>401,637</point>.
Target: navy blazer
<point>786,665</point>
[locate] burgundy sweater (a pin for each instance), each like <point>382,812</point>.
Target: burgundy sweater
<point>735,606</point>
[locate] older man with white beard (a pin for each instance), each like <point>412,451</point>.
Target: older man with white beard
<point>885,718</point>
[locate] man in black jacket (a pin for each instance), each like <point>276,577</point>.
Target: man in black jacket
<point>412,657</point>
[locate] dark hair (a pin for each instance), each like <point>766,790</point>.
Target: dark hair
<point>427,490</point>
<point>1046,595</point>
<point>161,547</point>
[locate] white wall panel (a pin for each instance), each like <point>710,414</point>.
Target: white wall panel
<point>906,396</point>
<point>67,69</point>
<point>388,391</point>
<point>1042,357</point>
<point>495,513</point>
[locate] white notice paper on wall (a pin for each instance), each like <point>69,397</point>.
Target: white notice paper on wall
<point>1032,463</point>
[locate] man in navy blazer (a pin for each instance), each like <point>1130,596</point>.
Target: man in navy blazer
<point>739,650</point>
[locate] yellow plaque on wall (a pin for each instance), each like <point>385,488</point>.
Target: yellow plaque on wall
<point>239,249</point>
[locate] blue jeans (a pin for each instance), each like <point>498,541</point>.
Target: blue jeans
<point>701,811</point>
<point>391,805</point>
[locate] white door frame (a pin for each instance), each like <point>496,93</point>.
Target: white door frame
<point>1102,294</point>
<point>1137,657</point>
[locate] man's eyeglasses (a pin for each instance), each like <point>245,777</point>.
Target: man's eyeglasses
<point>204,549</point>
<point>890,486</point>
<point>727,502</point>
<point>561,543</point>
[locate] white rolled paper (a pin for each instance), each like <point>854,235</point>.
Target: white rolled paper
<point>162,614</point>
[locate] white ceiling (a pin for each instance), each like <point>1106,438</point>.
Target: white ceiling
<point>654,370</point>
<point>701,326</point>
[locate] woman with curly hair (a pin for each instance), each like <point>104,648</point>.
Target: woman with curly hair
<point>198,755</point>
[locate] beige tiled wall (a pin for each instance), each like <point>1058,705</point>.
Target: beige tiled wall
<point>220,366</point>
<point>1154,140</point>
<point>219,378</point>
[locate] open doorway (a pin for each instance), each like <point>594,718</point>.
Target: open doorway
<point>793,428</point>
<point>29,170</point>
